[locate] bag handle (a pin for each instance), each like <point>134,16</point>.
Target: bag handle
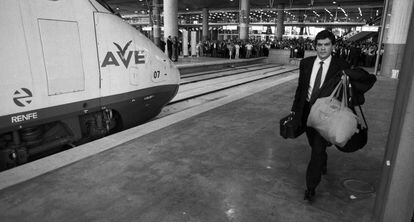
<point>336,90</point>
<point>351,98</point>
<point>363,116</point>
<point>344,102</point>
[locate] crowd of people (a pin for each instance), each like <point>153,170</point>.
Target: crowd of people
<point>361,53</point>
<point>356,53</point>
<point>231,49</point>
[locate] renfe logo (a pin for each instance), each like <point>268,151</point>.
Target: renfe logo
<point>22,97</point>
<point>110,58</point>
<point>24,117</point>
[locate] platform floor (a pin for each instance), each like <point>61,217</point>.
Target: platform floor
<point>226,164</point>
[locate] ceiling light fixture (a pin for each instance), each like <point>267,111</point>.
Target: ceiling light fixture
<point>346,15</point>
<point>328,12</point>
<point>316,14</point>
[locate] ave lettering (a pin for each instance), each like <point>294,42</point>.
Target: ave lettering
<point>110,58</point>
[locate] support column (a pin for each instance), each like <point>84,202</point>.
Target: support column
<point>396,37</point>
<point>170,18</point>
<point>301,20</point>
<point>193,43</point>
<point>244,19</point>
<point>151,31</point>
<point>205,24</point>
<point>384,21</point>
<point>395,197</point>
<point>156,30</point>
<point>280,28</point>
<point>185,43</point>
<point>225,31</point>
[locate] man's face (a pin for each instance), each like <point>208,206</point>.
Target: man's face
<point>324,48</point>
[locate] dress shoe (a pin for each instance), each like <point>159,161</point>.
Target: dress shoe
<point>309,195</point>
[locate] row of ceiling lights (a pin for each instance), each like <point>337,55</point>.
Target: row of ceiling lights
<point>217,15</point>
<point>187,9</point>
<point>260,13</point>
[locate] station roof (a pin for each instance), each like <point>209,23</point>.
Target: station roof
<point>367,10</point>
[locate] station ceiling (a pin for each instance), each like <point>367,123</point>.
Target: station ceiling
<point>341,9</point>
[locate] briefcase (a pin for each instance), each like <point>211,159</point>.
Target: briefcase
<point>290,127</point>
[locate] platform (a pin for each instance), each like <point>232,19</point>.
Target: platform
<point>225,164</point>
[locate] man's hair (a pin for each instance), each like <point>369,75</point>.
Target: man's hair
<point>325,34</point>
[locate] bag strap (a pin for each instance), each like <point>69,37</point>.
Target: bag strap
<point>344,102</point>
<point>334,92</point>
<point>363,116</point>
<point>349,86</point>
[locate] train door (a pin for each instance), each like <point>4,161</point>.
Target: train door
<point>61,47</point>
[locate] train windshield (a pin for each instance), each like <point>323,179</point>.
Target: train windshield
<point>105,5</point>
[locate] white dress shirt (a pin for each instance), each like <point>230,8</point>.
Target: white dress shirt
<point>315,69</point>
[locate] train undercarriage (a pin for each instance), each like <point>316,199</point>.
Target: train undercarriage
<point>31,143</point>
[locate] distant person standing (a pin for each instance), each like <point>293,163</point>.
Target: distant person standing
<point>354,54</point>
<point>237,47</point>
<point>214,49</point>
<point>249,48</point>
<point>198,49</point>
<point>175,49</point>
<point>169,47</point>
<point>230,48</point>
<point>162,45</point>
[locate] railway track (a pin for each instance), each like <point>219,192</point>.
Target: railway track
<point>194,77</point>
<point>205,85</point>
<point>197,92</point>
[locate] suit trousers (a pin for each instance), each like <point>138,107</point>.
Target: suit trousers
<point>319,156</point>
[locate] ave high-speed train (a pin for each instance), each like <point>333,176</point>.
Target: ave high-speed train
<point>72,71</point>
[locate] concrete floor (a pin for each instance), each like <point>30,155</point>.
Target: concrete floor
<point>227,164</point>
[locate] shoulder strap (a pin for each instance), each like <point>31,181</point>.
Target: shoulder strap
<point>349,87</point>
<point>363,116</point>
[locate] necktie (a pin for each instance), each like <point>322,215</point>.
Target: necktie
<point>317,84</point>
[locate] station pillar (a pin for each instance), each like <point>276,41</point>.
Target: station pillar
<point>151,31</point>
<point>395,196</point>
<point>170,19</point>
<point>185,43</point>
<point>280,29</point>
<point>244,20</point>
<point>396,37</point>
<point>205,24</point>
<point>156,30</point>
<point>193,43</point>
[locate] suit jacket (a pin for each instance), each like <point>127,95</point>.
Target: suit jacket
<point>331,80</point>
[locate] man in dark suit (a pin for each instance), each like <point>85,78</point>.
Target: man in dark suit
<point>318,76</point>
<point>169,47</point>
<point>354,54</point>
